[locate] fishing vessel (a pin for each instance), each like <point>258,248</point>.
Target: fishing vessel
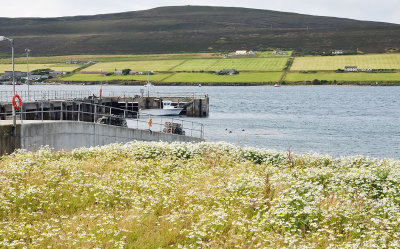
<point>167,110</point>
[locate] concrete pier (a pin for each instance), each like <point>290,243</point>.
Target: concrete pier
<point>67,135</point>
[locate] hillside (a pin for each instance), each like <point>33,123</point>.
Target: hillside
<point>194,28</point>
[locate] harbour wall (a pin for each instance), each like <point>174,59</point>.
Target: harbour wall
<point>67,135</point>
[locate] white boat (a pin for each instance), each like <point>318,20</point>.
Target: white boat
<point>167,110</point>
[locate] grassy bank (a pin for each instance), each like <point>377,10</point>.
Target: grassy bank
<point>151,195</point>
<point>343,77</point>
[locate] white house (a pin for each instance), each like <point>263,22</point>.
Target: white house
<point>336,52</point>
<point>241,52</point>
<point>350,69</point>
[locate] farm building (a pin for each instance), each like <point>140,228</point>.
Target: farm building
<point>17,74</point>
<point>350,69</point>
<point>227,72</point>
<point>241,52</point>
<point>280,52</point>
<point>337,52</point>
<point>55,73</point>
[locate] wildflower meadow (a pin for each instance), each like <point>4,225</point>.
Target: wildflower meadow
<point>196,195</point>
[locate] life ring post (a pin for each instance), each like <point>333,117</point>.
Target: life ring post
<point>16,105</point>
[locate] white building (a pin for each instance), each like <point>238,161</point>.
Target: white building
<point>241,52</point>
<point>336,52</point>
<point>350,69</point>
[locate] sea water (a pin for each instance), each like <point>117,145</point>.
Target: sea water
<point>335,120</point>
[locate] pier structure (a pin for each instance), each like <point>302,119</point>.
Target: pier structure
<point>67,120</point>
<point>49,105</point>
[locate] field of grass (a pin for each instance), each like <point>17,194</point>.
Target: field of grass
<point>154,65</point>
<point>343,76</point>
<point>373,61</point>
<point>267,54</point>
<point>241,64</point>
<point>183,77</point>
<point>110,58</point>
<point>204,195</point>
<point>97,77</point>
<point>213,78</point>
<point>22,67</point>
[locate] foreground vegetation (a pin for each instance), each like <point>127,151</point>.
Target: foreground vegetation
<point>152,195</point>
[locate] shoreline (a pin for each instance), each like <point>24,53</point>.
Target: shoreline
<point>141,83</point>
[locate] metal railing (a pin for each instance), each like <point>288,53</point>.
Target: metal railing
<point>153,94</point>
<point>6,96</point>
<point>93,112</point>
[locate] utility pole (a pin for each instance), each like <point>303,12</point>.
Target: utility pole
<point>27,50</point>
<point>101,82</point>
<point>3,38</point>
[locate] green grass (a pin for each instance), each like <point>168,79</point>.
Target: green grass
<point>369,77</point>
<point>108,58</point>
<point>154,65</point>
<point>200,195</point>
<point>183,78</point>
<point>213,78</point>
<point>373,61</point>
<point>267,54</point>
<point>22,67</point>
<point>97,77</point>
<point>240,64</point>
<point>196,65</point>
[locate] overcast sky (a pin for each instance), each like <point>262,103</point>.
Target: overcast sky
<point>374,10</point>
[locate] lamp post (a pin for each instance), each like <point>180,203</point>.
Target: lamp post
<point>3,38</point>
<point>27,50</point>
<point>101,82</point>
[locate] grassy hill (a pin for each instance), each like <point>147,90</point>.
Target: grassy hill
<point>194,28</point>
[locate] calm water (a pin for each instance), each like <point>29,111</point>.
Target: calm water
<point>335,120</point>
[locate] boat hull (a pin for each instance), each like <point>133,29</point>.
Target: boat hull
<point>161,112</point>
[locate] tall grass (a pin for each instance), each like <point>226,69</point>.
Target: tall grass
<point>157,195</point>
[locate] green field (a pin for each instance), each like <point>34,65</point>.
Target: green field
<point>97,77</point>
<point>22,67</point>
<point>109,58</point>
<point>183,78</point>
<point>187,68</point>
<point>156,65</point>
<point>267,54</point>
<point>213,78</point>
<point>343,76</point>
<point>241,64</point>
<point>373,61</point>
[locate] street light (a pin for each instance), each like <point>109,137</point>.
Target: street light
<point>3,38</point>
<point>27,50</point>
<point>101,82</point>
